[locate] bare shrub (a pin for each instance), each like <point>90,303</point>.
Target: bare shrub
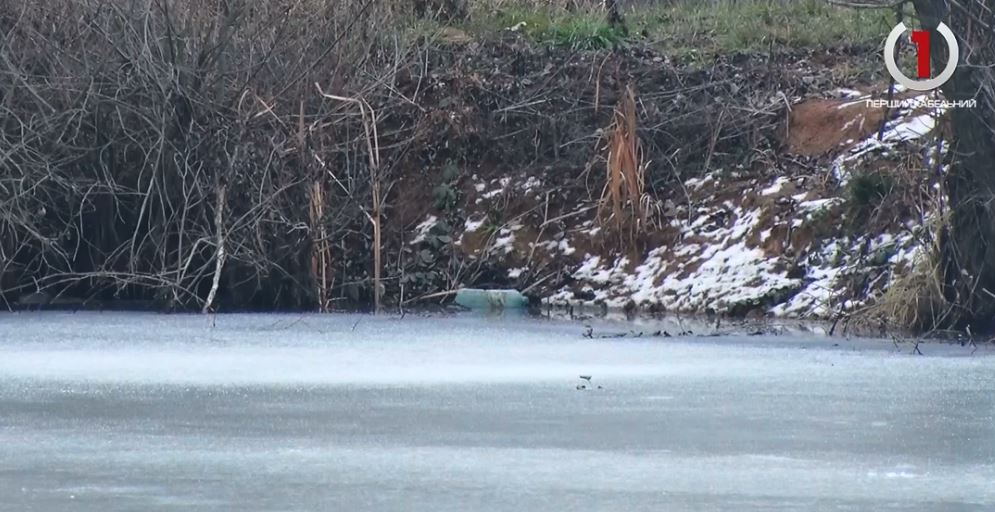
<point>162,149</point>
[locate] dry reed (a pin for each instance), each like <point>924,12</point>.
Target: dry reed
<point>624,206</point>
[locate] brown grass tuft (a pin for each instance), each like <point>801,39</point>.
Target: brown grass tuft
<point>625,208</point>
<point>914,299</point>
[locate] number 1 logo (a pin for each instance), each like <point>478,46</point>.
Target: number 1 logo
<point>922,40</point>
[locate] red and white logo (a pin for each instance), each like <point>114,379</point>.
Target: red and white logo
<point>921,38</point>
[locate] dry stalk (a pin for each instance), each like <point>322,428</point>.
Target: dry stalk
<point>219,258</point>
<point>623,208</point>
<point>321,257</point>
<point>321,247</point>
<point>369,117</point>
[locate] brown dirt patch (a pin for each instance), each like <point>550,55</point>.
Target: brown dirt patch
<point>774,245</point>
<point>818,126</point>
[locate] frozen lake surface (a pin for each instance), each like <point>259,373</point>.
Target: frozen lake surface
<point>122,412</point>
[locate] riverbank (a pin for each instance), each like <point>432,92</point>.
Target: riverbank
<point>768,187</point>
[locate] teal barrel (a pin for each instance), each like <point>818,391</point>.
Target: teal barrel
<point>473,298</point>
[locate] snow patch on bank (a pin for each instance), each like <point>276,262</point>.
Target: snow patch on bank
<point>471,225</point>
<point>504,243</point>
<point>422,229</point>
<point>718,270</point>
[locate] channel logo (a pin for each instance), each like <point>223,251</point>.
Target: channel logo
<point>924,80</point>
